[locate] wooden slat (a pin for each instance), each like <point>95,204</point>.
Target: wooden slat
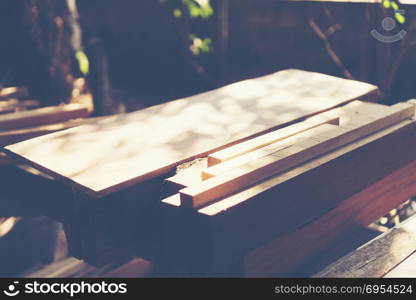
<point>13,92</point>
<point>45,115</point>
<point>234,156</point>
<point>229,165</point>
<point>378,257</point>
<point>255,216</point>
<point>8,137</point>
<point>290,251</point>
<point>406,268</point>
<point>306,145</point>
<point>73,268</point>
<point>15,105</point>
<point>272,137</point>
<point>156,139</point>
<point>8,103</point>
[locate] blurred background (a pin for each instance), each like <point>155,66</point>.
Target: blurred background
<point>145,52</point>
<point>133,54</point>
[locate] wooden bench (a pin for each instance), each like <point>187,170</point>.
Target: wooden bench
<point>113,170</point>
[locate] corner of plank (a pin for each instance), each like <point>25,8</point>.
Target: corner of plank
<point>413,102</point>
<point>186,199</point>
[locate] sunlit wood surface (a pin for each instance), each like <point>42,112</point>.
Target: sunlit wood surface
<point>119,151</point>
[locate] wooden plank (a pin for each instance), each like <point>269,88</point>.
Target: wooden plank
<point>71,267</point>
<point>406,268</point>
<point>379,256</point>
<point>8,137</point>
<point>272,137</point>
<point>242,222</point>
<point>135,268</point>
<point>246,158</point>
<point>306,145</point>
<point>187,175</point>
<point>13,92</point>
<point>8,103</point>
<point>7,106</point>
<point>15,105</point>
<point>234,156</point>
<point>158,138</point>
<point>360,210</point>
<point>45,115</point>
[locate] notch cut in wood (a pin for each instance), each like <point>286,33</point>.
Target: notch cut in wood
<point>306,145</point>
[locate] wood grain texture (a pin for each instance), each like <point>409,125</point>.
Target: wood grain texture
<point>361,209</point>
<point>71,267</point>
<point>379,256</point>
<point>271,137</point>
<point>407,268</point>
<point>243,222</point>
<point>241,153</point>
<point>13,92</point>
<point>120,151</point>
<point>355,124</point>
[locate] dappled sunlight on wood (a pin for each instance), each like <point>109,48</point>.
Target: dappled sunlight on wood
<point>130,148</point>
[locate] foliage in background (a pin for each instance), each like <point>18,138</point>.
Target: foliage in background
<point>398,14</point>
<point>194,9</point>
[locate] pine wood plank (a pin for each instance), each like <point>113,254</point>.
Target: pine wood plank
<point>8,137</point>
<point>135,147</point>
<point>306,145</point>
<point>253,217</point>
<point>379,256</point>
<point>406,268</point>
<point>13,92</point>
<point>45,115</point>
<point>271,137</point>
<point>239,154</point>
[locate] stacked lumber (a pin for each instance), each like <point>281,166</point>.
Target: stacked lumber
<point>71,267</point>
<point>269,199</point>
<point>22,118</point>
<point>115,166</point>
<point>181,130</point>
<point>392,254</point>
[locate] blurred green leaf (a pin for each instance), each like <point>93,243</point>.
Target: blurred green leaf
<point>177,13</point>
<point>199,45</point>
<point>83,62</point>
<point>400,18</point>
<point>199,8</point>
